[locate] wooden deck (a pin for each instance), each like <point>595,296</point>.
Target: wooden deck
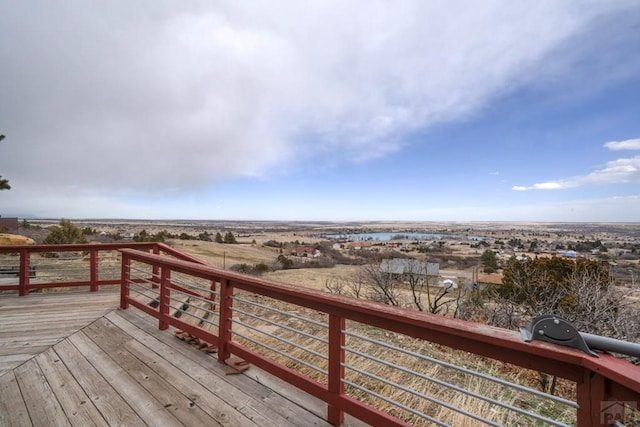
<point>75,359</point>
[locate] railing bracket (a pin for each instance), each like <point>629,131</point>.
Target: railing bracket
<point>556,330</point>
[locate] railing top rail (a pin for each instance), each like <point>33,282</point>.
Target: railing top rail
<point>101,247</point>
<point>178,254</point>
<point>76,247</point>
<point>492,342</point>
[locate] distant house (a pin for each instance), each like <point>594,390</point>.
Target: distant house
<point>359,245</point>
<point>409,269</point>
<point>305,251</point>
<point>484,280</point>
<point>569,254</point>
<point>8,225</point>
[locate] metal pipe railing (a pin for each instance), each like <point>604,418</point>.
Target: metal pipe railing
<point>597,342</point>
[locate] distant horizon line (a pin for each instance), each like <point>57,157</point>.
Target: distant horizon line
<point>362,221</point>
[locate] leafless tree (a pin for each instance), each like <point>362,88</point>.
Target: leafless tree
<point>386,288</point>
<point>599,309</point>
<point>353,286</point>
<point>382,286</point>
<point>335,286</point>
<point>415,276</point>
<point>357,286</point>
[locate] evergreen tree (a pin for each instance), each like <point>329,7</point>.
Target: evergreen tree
<point>65,233</point>
<point>489,261</point>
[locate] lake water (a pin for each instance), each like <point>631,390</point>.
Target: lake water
<point>383,237</point>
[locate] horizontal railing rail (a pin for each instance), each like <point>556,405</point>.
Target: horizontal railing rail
<point>25,268</point>
<point>376,362</point>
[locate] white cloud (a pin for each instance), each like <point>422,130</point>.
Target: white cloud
<point>158,97</point>
<point>553,185</point>
<point>619,171</point>
<point>629,144</point>
<point>615,172</point>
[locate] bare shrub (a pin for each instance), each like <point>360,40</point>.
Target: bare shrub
<point>581,292</point>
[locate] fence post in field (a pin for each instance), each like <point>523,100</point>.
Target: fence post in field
<point>165,275</point>
<point>335,415</point>
<point>24,272</point>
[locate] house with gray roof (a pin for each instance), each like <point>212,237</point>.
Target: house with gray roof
<point>409,269</point>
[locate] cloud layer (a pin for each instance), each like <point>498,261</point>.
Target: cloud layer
<point>157,97</point>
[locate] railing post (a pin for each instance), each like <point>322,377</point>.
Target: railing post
<point>591,400</point>
<point>165,290</point>
<point>335,415</point>
<point>225,324</point>
<point>212,296</point>
<point>93,265</point>
<point>23,283</point>
<point>155,270</point>
<point>125,279</point>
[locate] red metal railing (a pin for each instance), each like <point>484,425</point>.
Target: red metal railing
<point>597,380</point>
<point>35,267</point>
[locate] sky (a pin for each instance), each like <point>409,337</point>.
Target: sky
<point>334,110</point>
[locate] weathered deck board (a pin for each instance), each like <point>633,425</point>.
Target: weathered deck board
<point>111,405</point>
<point>41,403</point>
<point>239,392</point>
<point>13,411</point>
<point>140,400</point>
<point>275,396</point>
<point>112,340</point>
<point>114,367</point>
<point>31,324</point>
<point>76,404</point>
